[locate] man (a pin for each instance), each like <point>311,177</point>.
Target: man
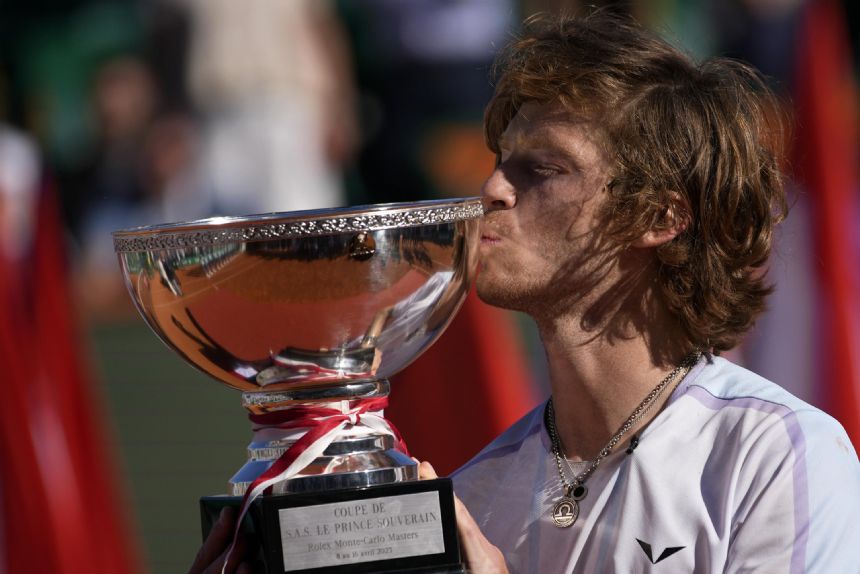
<point>631,214</point>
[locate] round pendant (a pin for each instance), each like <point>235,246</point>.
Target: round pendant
<point>565,512</point>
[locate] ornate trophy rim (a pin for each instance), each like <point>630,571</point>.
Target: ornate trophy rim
<point>287,225</point>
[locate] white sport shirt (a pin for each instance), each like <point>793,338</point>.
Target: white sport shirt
<point>733,475</point>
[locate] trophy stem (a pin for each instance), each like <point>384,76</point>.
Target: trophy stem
<point>266,402</point>
<point>366,451</point>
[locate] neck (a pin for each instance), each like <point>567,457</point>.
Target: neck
<point>598,381</point>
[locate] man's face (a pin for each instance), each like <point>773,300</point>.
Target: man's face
<point>542,245</point>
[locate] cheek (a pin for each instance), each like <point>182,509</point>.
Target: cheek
<point>557,226</point>
<point>580,218</point>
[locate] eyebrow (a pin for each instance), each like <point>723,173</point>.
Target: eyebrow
<point>540,142</point>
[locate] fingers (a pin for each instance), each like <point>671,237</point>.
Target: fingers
<point>426,471</point>
<point>234,564</point>
<point>216,543</point>
<point>481,556</point>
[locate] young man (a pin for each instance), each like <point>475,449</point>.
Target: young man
<point>630,214</point>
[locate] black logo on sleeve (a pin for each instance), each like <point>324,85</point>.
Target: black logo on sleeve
<point>646,548</point>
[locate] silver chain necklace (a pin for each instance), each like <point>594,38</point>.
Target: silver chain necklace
<point>566,510</point>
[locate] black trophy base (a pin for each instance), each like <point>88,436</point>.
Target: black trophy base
<point>404,527</point>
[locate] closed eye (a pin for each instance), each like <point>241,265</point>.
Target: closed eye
<point>544,170</point>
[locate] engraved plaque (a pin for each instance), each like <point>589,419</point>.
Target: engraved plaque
<point>361,531</point>
<point>393,527</point>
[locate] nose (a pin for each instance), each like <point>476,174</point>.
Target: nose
<point>498,193</point>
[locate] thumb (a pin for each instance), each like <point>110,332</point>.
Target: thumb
<point>426,471</point>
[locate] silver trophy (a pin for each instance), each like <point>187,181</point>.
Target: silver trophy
<point>308,314</point>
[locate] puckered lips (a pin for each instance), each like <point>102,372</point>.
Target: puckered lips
<point>488,238</point>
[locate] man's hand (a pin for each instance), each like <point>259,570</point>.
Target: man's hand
<point>210,558</point>
<point>481,556</point>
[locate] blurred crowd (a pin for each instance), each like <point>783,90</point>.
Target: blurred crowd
<point>141,112</point>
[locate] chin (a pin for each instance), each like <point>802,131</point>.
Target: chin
<point>502,292</point>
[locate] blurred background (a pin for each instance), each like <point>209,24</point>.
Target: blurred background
<point>122,113</point>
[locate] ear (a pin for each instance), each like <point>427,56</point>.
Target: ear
<point>674,220</point>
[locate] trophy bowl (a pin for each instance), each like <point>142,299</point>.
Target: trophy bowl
<point>308,310</point>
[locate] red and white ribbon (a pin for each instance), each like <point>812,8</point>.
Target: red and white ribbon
<point>315,427</point>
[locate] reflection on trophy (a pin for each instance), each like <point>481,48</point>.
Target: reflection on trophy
<point>308,314</point>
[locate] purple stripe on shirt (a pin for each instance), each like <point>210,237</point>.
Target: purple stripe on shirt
<point>798,445</point>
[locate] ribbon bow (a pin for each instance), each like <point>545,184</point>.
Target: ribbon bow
<point>323,425</point>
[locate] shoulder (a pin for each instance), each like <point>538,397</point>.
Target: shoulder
<point>510,441</point>
<point>740,397</point>
<point>760,416</point>
<point>794,472</point>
